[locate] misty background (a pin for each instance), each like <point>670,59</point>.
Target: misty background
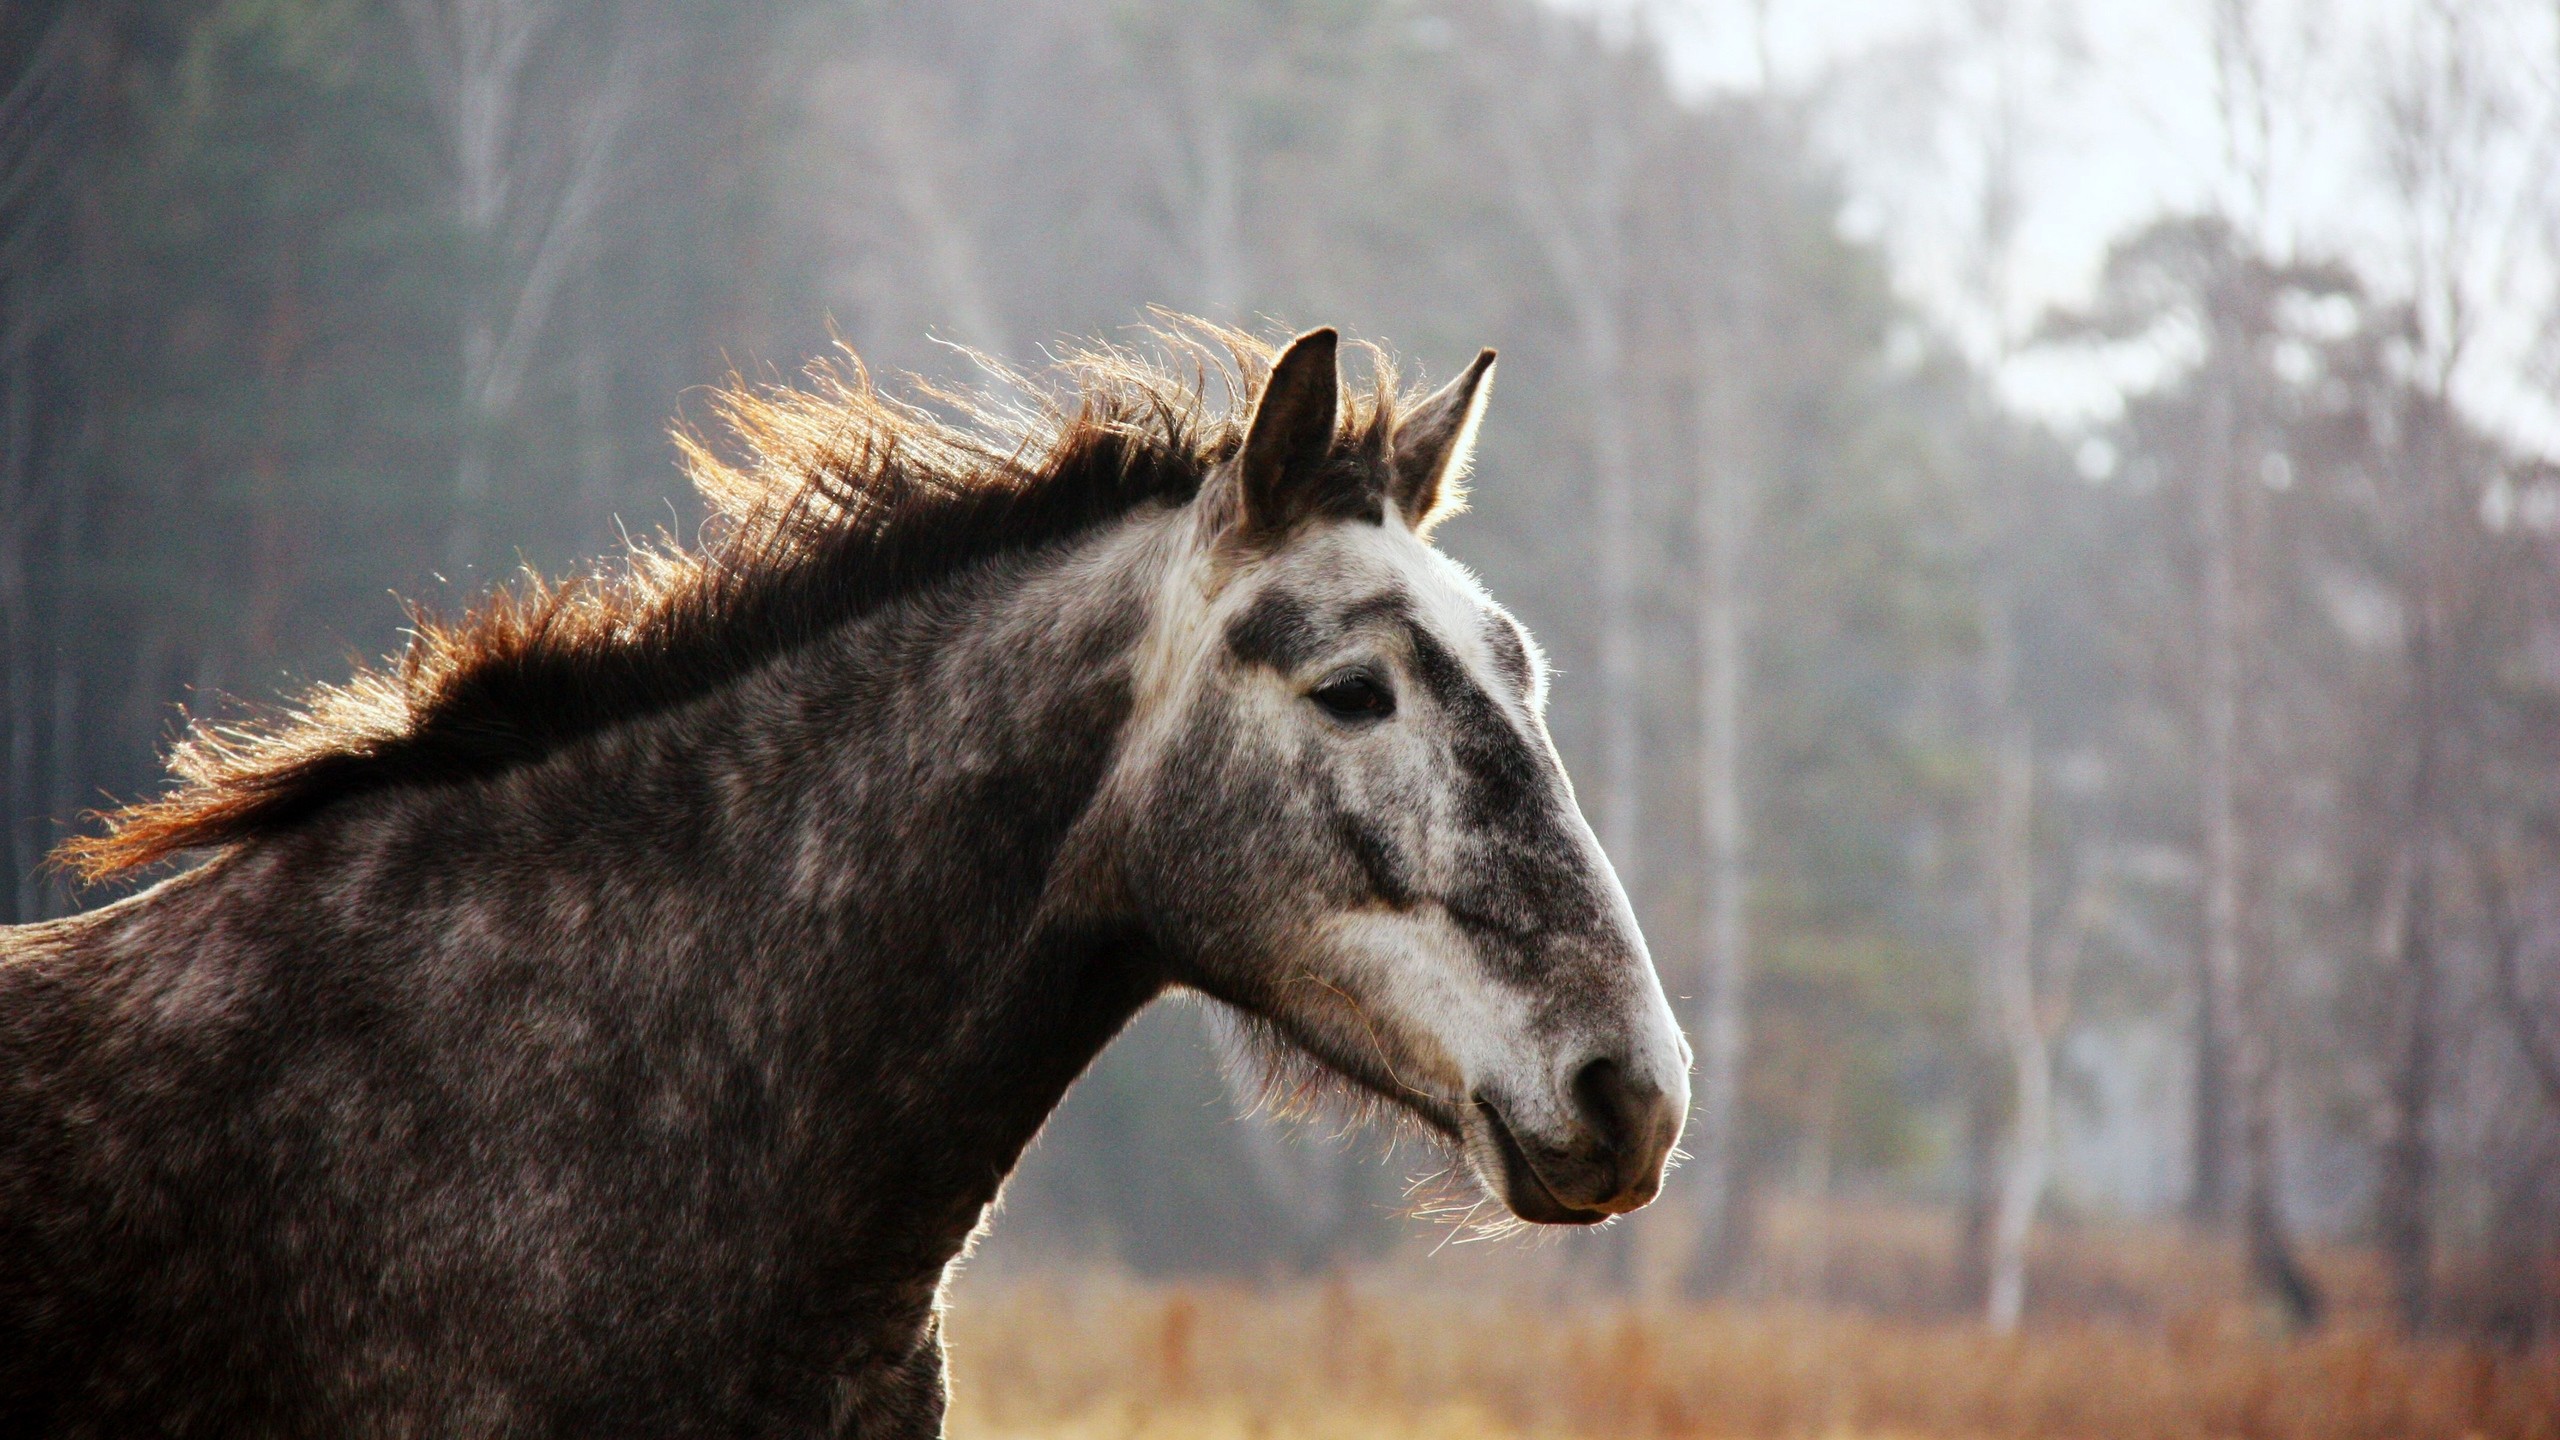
<point>2046,518</point>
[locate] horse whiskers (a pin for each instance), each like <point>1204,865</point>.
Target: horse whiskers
<point>1288,1082</point>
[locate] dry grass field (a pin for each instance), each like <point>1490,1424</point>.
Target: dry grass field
<point>2159,1352</point>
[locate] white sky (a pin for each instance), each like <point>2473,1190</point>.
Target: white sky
<point>2117,120</point>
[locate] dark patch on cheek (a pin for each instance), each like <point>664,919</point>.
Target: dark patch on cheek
<point>1386,867</point>
<point>1278,629</point>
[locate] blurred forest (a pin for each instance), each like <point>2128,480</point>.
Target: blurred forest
<point>2041,826</point>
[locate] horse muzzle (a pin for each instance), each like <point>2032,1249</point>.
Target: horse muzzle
<point>1601,1153</point>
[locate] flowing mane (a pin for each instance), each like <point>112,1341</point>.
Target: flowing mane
<point>838,500</point>
<point>658,1082</point>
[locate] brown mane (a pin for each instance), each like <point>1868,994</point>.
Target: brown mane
<point>842,500</point>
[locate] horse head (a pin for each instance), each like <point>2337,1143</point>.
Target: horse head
<point>1341,812</point>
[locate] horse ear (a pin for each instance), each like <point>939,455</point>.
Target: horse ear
<point>1435,444</point>
<point>1282,469</point>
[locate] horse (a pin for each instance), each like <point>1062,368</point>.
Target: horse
<point>620,1014</point>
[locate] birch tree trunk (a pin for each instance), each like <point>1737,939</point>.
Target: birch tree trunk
<point>2400,1203</point>
<point>2007,971</point>
<point>2439,494</point>
<point>1597,325</point>
<point>1566,107</point>
<point>1726,520</point>
<point>2240,970</point>
<point>2208,1099</point>
<point>2447,114</point>
<point>2537,1040</point>
<point>2217,733</point>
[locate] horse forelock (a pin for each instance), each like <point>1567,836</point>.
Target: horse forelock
<point>828,501</point>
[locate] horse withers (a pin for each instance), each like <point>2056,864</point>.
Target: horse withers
<point>617,1015</point>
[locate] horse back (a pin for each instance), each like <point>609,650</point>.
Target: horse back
<point>121,1191</point>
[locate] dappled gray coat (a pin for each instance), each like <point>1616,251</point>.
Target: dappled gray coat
<point>614,1018</point>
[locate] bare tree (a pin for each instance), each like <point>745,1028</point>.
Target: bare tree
<point>2239,958</point>
<point>2447,125</point>
<point>531,223</point>
<point>1191,72</point>
<point>2005,981</point>
<point>2035,1010</point>
<point>1724,518</point>
<point>1700,1239</point>
<point>2230,536</point>
<point>2014,41</point>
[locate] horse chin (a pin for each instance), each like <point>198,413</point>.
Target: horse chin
<point>1503,1168</point>
<point>1294,1079</point>
<point>1293,1075</point>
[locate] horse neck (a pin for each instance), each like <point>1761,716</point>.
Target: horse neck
<point>942,826</point>
<point>822,911</point>
<point>926,787</point>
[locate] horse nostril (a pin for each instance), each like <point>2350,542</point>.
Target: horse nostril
<point>1608,1102</point>
<point>1626,1117</point>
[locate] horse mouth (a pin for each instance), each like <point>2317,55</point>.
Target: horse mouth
<point>1522,1188</point>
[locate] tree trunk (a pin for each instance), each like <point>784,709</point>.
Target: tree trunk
<point>2537,1042</point>
<point>1570,186</point>
<point>1695,1240</point>
<point>1724,926</point>
<point>476,55</point>
<point>600,482</point>
<point>1596,324</point>
<point>1998,1229</point>
<point>472,465</point>
<point>2004,861</point>
<point>2009,956</point>
<point>1977,1206</point>
<point>272,524</point>
<point>1216,210</point>
<point>2243,994</point>
<point>2218,821</point>
<point>62,753</point>
<point>44,413</point>
<point>2209,1101</point>
<point>908,135</point>
<point>2401,1198</point>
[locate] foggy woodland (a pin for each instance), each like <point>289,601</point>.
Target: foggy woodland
<point>2152,816</point>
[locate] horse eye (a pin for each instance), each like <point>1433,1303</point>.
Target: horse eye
<point>1355,695</point>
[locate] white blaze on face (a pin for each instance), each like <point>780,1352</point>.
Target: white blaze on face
<point>1413,966</point>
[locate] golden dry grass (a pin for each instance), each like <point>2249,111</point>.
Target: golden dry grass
<point>1357,1358</point>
